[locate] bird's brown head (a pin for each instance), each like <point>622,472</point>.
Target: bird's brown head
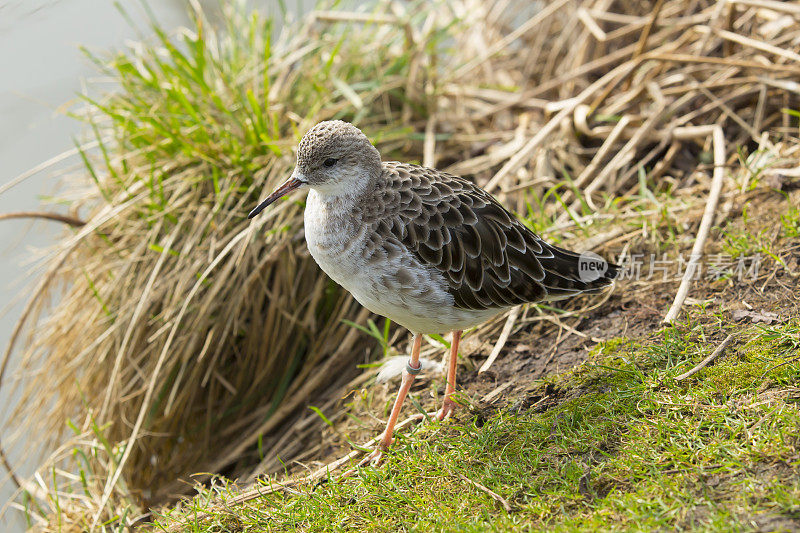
<point>334,157</point>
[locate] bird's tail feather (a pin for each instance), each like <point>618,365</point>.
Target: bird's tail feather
<point>568,273</point>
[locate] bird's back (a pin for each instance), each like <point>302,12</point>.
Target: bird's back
<point>487,257</point>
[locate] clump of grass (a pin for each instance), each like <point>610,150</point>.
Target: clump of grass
<point>168,326</point>
<point>791,222</point>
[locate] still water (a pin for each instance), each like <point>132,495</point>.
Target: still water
<point>41,71</point>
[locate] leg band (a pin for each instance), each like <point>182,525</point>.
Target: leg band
<point>411,370</point>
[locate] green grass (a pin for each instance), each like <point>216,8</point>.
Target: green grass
<point>791,222</point>
<point>749,241</point>
<point>619,444</point>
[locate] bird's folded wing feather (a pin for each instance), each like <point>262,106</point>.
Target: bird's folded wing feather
<point>488,258</point>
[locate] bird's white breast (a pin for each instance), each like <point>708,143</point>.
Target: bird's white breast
<point>389,281</point>
<point>332,239</point>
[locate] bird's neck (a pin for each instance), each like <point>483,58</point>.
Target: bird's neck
<point>329,221</point>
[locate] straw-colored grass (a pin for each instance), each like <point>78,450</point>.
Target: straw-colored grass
<point>174,337</point>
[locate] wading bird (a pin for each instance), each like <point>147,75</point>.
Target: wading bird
<point>433,252</point>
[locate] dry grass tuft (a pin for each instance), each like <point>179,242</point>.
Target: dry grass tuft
<point>179,338</point>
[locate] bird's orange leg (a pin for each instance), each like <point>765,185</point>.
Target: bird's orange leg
<point>448,405</point>
<point>408,378</point>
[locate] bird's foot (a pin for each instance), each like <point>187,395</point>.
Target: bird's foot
<point>375,457</point>
<point>421,417</point>
<point>446,411</point>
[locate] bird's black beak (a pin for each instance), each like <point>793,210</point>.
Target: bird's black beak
<point>288,186</point>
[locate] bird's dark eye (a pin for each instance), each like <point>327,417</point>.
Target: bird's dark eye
<point>330,162</point>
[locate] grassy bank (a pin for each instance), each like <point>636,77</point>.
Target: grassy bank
<point>617,444</point>
<point>173,342</point>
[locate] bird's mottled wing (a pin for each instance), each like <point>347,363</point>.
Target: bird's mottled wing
<point>488,257</point>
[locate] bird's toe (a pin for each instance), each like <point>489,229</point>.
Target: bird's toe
<point>446,411</point>
<point>374,458</point>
